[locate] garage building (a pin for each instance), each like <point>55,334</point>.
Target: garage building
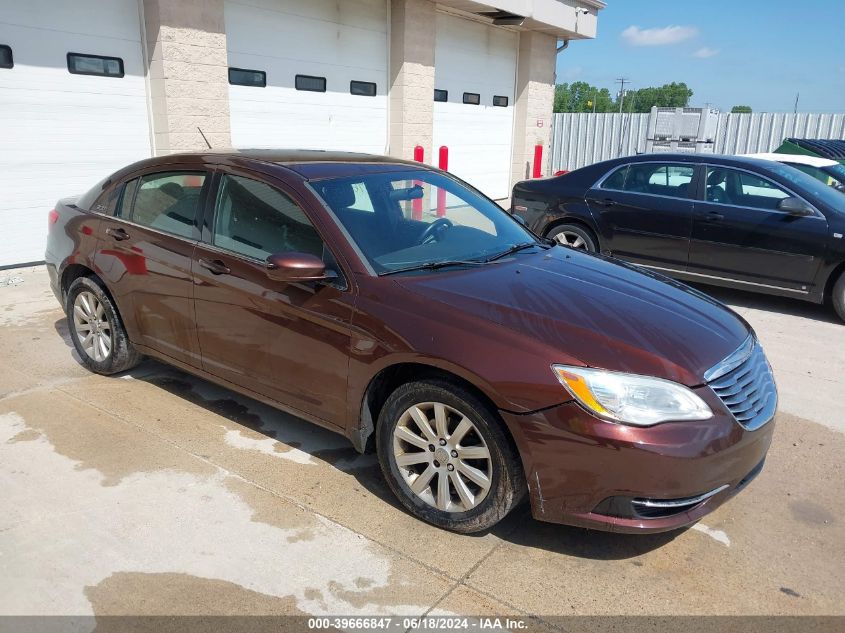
<point>89,86</point>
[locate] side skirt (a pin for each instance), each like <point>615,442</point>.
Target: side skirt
<point>201,373</point>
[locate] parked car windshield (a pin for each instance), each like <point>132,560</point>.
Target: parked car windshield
<point>818,190</point>
<point>405,219</point>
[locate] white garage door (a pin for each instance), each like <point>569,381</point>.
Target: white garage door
<point>475,64</point>
<point>310,52</point>
<point>60,133</point>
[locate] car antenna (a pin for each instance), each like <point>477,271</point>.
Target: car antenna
<point>203,137</point>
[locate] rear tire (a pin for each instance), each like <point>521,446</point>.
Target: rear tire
<point>574,236</point>
<point>96,329</point>
<point>461,473</point>
<point>838,296</point>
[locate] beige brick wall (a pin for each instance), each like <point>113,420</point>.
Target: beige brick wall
<point>188,81</point>
<point>411,77</point>
<point>535,87</point>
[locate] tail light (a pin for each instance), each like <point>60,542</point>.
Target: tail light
<point>562,172</point>
<point>52,217</point>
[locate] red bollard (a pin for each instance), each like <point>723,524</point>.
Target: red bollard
<point>417,204</point>
<point>443,163</point>
<point>538,161</point>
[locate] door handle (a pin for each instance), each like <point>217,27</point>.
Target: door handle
<point>608,202</point>
<point>712,216</point>
<point>117,234</point>
<point>215,266</point>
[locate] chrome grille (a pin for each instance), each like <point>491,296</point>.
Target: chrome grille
<point>745,384</point>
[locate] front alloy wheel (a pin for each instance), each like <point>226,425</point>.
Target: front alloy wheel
<point>447,456</point>
<point>442,457</point>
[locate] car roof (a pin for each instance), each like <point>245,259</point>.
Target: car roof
<point>309,163</point>
<point>798,159</point>
<point>694,158</point>
<point>669,157</point>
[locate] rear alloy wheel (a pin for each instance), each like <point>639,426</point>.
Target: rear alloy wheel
<point>92,328</point>
<point>446,457</point>
<point>574,236</point>
<point>96,329</point>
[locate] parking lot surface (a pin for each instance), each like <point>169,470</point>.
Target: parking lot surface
<point>155,492</point>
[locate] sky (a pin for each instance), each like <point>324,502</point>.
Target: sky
<point>729,52</point>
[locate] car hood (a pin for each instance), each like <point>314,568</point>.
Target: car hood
<point>594,311</point>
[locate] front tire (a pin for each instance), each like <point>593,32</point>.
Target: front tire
<point>96,329</point>
<point>574,236</point>
<point>447,458</point>
<point>838,296</point>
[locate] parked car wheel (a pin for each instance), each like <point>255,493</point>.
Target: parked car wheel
<point>96,329</point>
<point>574,236</point>
<point>838,296</point>
<point>446,457</point>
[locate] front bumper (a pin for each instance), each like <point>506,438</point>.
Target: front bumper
<point>590,473</point>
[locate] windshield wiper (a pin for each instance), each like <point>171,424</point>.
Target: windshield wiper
<point>513,249</point>
<point>435,265</point>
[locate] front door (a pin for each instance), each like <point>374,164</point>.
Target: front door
<point>740,234</point>
<point>144,254</point>
<point>646,210</point>
<point>286,341</point>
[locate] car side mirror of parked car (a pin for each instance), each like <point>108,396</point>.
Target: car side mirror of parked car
<point>795,206</point>
<point>297,267</point>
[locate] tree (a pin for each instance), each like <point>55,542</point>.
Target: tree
<point>741,109</point>
<point>673,95</point>
<point>580,96</point>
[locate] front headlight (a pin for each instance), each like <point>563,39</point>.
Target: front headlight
<point>631,399</point>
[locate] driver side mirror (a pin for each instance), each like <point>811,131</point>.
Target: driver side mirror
<point>796,207</point>
<point>297,267</point>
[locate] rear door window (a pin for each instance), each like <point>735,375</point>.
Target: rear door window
<point>169,202</point>
<point>660,179</point>
<point>616,180</point>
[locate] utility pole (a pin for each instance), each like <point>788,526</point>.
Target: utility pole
<point>622,81</point>
<point>797,96</point>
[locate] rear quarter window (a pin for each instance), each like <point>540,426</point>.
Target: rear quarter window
<point>87,200</point>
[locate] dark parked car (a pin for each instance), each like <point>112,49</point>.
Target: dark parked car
<point>722,220</point>
<point>391,303</point>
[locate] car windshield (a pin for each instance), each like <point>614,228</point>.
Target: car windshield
<point>815,187</point>
<point>413,219</point>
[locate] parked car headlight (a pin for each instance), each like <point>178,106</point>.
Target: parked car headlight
<point>631,399</point>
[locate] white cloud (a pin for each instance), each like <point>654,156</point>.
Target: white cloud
<point>573,72</point>
<point>704,52</point>
<point>636,36</point>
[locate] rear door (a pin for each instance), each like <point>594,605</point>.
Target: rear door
<point>286,341</point>
<point>739,233</point>
<point>646,210</point>
<point>145,256</point>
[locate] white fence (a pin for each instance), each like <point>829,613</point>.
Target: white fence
<point>584,139</point>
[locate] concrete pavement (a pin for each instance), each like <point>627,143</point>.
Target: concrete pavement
<point>158,493</point>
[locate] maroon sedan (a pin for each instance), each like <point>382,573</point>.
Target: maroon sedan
<point>394,304</point>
